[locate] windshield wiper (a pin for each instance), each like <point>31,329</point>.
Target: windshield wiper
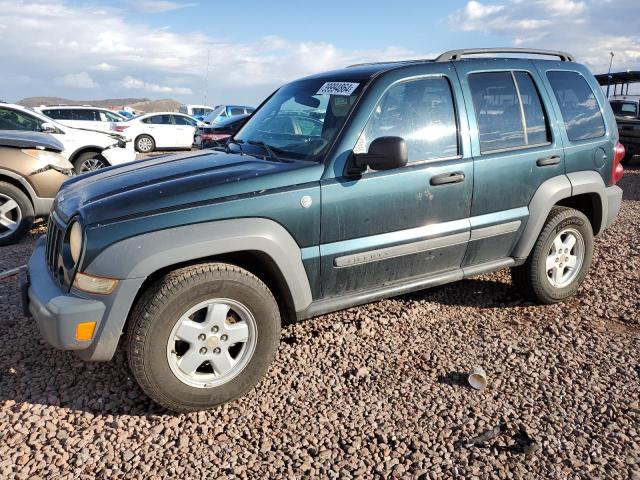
<point>267,148</point>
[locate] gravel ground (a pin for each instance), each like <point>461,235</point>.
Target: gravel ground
<point>373,391</point>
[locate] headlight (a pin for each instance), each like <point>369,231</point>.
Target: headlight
<point>55,160</point>
<point>75,241</point>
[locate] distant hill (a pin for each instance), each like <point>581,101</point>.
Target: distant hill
<point>138,104</point>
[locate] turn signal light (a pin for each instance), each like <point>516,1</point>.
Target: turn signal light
<point>85,330</point>
<point>90,284</point>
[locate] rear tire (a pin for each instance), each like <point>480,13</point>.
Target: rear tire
<point>560,258</point>
<point>202,335</point>
<point>16,214</point>
<point>145,144</point>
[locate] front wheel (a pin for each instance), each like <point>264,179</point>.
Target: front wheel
<point>89,162</point>
<point>560,258</point>
<point>202,335</point>
<point>16,214</point>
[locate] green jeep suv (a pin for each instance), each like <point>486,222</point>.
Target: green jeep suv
<point>342,188</point>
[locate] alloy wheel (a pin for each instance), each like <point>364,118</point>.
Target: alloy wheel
<point>10,215</point>
<point>212,343</point>
<point>565,257</point>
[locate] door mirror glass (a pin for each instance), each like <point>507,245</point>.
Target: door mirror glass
<point>385,153</point>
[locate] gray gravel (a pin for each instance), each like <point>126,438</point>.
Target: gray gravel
<point>371,391</point>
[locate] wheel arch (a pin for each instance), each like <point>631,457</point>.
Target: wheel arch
<point>87,149</point>
<point>261,246</point>
<point>584,191</point>
<point>19,182</point>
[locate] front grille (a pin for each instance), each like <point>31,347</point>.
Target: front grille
<point>53,250</point>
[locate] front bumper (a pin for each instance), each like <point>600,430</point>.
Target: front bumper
<point>614,199</point>
<point>118,155</point>
<point>58,313</point>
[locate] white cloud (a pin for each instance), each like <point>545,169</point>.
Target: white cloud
<point>158,6</point>
<point>50,39</point>
<point>132,83</point>
<point>104,67</point>
<point>590,29</point>
<point>78,80</point>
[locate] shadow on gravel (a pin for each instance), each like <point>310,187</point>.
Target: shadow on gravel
<point>455,379</point>
<point>472,292</point>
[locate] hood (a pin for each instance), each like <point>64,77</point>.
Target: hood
<point>171,182</point>
<point>27,139</point>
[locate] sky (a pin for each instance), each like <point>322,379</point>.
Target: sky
<point>213,52</point>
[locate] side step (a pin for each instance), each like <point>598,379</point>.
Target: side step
<point>320,307</point>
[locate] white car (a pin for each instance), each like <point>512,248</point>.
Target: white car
<point>94,118</point>
<point>159,131</point>
<point>87,150</point>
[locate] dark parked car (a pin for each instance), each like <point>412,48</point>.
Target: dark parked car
<point>218,134</point>
<point>31,172</point>
<point>627,111</point>
<point>421,173</point>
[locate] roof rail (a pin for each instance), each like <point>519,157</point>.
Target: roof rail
<point>390,62</point>
<point>458,54</point>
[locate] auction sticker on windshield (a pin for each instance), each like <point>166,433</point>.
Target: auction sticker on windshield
<point>338,88</point>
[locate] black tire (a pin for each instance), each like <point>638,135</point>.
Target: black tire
<point>89,162</point>
<point>161,306</point>
<point>22,213</point>
<point>531,278</point>
<point>145,144</point>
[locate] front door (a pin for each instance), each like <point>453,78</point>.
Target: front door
<point>386,227</point>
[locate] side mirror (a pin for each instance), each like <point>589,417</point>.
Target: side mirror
<point>47,127</point>
<point>385,153</point>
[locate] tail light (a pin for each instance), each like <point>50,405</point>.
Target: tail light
<point>120,128</point>
<point>617,172</point>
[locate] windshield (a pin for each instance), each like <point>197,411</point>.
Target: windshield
<point>302,118</point>
<point>200,111</point>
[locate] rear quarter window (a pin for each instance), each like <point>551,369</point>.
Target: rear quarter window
<point>580,110</point>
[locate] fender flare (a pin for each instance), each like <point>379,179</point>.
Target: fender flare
<point>548,195</point>
<point>142,255</point>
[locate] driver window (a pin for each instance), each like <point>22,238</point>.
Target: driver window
<point>421,112</point>
<point>12,120</point>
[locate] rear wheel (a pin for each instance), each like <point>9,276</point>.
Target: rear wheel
<point>560,258</point>
<point>16,214</point>
<point>89,162</point>
<point>145,144</point>
<point>202,335</point>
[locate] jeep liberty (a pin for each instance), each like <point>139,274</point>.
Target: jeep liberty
<point>342,188</point>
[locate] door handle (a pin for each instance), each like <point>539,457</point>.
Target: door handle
<point>447,178</point>
<point>548,161</point>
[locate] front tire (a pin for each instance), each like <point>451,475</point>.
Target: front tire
<point>202,336</point>
<point>16,214</point>
<point>89,162</point>
<point>145,144</point>
<point>560,258</point>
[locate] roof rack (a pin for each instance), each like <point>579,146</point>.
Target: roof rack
<point>457,54</point>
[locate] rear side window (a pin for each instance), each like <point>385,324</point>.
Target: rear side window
<point>580,110</point>
<point>85,114</point>
<point>420,111</point>
<point>508,110</point>
<point>159,120</point>
<point>237,111</point>
<point>58,113</point>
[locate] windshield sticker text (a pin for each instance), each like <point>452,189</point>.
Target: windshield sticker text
<point>338,88</point>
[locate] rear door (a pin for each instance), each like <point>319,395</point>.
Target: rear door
<point>384,227</point>
<point>185,130</point>
<point>516,149</point>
